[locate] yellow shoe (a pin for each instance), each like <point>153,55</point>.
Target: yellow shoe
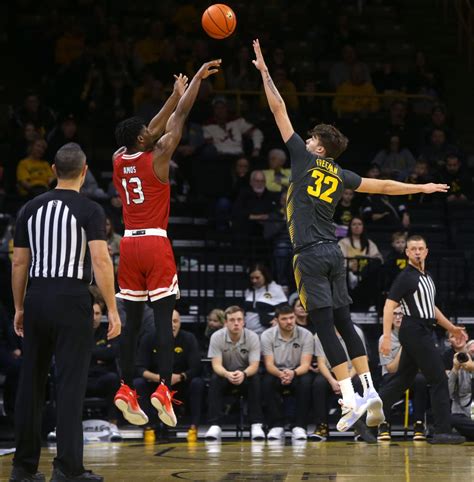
<point>192,435</point>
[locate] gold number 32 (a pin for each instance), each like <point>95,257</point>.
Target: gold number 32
<point>321,179</point>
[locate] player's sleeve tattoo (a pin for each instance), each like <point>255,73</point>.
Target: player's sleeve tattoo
<point>273,87</point>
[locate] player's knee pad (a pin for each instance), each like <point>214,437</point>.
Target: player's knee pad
<point>322,320</point>
<point>344,325</point>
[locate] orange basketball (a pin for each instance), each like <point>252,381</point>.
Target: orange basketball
<point>219,21</point>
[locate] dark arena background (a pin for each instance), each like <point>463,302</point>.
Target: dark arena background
<point>395,76</point>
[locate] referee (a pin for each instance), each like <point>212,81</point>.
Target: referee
<point>414,291</point>
<point>59,238</point>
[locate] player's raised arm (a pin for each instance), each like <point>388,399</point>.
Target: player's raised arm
<point>158,123</point>
<point>395,188</point>
<point>275,100</point>
<point>174,127</point>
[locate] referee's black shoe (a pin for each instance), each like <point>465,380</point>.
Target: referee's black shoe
<point>447,439</point>
<point>87,476</point>
<point>19,474</point>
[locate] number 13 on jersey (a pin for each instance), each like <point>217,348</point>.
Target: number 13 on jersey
<point>319,190</point>
<point>137,190</point>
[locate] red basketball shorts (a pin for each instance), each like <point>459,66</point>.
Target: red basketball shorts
<point>147,268</point>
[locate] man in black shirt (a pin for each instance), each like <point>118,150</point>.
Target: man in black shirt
<point>59,238</point>
<point>185,379</point>
<point>103,380</point>
<point>415,292</point>
<point>316,186</point>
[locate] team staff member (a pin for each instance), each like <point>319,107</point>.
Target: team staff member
<point>317,184</point>
<point>287,351</point>
<point>414,291</point>
<point>59,237</point>
<point>185,379</point>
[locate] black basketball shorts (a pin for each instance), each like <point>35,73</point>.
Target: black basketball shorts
<point>320,276</point>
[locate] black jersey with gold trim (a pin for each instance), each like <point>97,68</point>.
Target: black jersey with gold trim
<point>315,189</point>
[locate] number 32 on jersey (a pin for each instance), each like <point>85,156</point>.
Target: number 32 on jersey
<point>319,189</point>
<point>136,181</point>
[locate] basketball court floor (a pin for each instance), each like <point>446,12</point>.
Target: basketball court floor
<point>341,460</point>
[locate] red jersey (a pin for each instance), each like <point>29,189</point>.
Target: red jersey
<point>145,199</point>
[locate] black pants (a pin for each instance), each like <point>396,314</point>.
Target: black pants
<point>463,424</point>
<point>420,353</point>
<point>59,324</point>
<point>189,392</point>
<point>163,314</point>
<point>323,394</point>
<point>419,390</point>
<point>104,385</point>
<point>272,392</point>
<point>220,386</point>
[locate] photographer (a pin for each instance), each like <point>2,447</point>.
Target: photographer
<point>460,382</point>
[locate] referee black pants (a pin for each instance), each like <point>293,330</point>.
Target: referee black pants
<point>420,353</point>
<point>59,324</point>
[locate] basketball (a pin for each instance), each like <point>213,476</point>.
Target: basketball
<point>219,21</point>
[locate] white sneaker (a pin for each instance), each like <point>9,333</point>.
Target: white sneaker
<point>214,433</point>
<point>276,433</point>
<point>375,415</point>
<point>350,415</point>
<point>256,432</point>
<point>298,433</point>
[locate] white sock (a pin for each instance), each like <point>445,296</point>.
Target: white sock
<point>347,389</point>
<point>366,380</point>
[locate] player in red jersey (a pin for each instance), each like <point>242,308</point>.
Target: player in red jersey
<point>147,270</point>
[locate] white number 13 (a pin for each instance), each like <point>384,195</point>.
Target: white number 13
<point>137,190</point>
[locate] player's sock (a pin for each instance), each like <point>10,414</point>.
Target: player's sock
<point>366,380</point>
<point>348,395</point>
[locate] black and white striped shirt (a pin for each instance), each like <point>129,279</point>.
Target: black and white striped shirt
<point>416,292</point>
<point>57,226</point>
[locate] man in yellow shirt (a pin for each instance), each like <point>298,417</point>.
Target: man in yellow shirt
<point>34,174</point>
<point>356,96</point>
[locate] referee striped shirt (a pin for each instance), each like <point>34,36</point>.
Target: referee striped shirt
<point>56,227</point>
<point>416,292</point>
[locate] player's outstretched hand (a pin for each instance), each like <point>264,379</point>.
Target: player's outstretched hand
<point>115,327</point>
<point>209,68</point>
<point>180,84</point>
<point>259,62</point>
<point>432,187</point>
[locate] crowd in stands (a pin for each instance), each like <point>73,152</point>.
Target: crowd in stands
<point>95,64</point>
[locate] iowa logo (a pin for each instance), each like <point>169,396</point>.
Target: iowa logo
<point>178,349</point>
<point>267,295</point>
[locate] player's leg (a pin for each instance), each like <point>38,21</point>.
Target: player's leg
<point>162,398</point>
<point>312,268</point>
<point>133,290</point>
<point>353,342</point>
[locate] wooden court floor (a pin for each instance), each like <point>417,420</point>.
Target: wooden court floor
<point>267,461</point>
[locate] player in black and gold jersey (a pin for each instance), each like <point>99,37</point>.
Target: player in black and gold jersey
<point>316,186</point>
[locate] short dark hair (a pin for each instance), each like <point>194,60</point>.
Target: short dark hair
<point>233,309</point>
<point>416,237</point>
<point>128,130</point>
<point>284,310</point>
<point>331,139</point>
<point>69,161</point>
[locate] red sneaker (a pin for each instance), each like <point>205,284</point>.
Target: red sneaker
<point>162,399</point>
<point>126,401</point>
